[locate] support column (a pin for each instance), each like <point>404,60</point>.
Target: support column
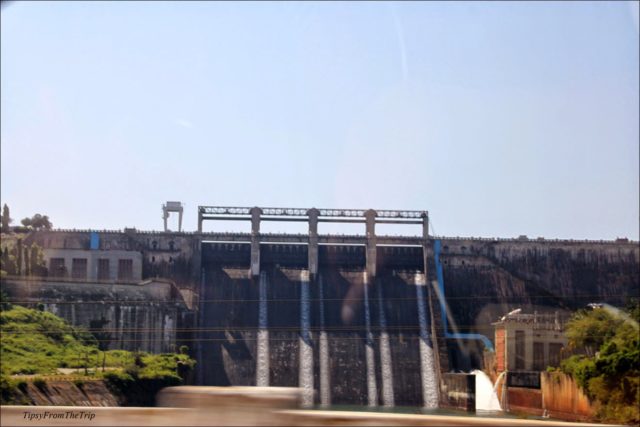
<point>369,280</point>
<point>199,221</point>
<point>425,227</point>
<point>313,242</point>
<point>310,278</point>
<point>372,388</point>
<point>370,217</point>
<point>255,242</point>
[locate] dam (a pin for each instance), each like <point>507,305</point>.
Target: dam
<point>338,318</point>
<point>368,320</point>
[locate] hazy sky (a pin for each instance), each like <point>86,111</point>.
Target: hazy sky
<point>499,118</point>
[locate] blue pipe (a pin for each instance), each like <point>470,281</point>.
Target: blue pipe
<point>443,307</point>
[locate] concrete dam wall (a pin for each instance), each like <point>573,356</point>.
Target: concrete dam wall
<point>345,341</point>
<point>146,317</point>
<point>367,322</point>
<point>483,280</point>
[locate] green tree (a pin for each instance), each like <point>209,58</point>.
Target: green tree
<point>590,329</point>
<point>6,219</point>
<point>36,261</point>
<point>37,222</point>
<point>4,301</point>
<point>7,262</point>
<point>19,254</point>
<point>610,370</point>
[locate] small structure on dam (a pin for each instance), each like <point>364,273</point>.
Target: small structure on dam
<point>351,319</point>
<point>529,341</point>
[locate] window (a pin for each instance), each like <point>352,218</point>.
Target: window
<point>555,350</point>
<point>520,351</point>
<point>538,356</point>
<point>79,268</point>
<point>103,269</point>
<point>125,269</point>
<point>57,268</point>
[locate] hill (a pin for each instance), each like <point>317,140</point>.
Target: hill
<point>35,343</point>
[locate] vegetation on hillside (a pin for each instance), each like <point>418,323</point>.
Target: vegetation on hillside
<point>37,222</point>
<point>38,342</point>
<point>609,371</point>
<point>19,259</point>
<point>5,219</point>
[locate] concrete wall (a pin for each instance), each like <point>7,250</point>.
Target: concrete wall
<point>483,278</point>
<point>92,257</point>
<point>563,398</point>
<point>230,318</point>
<point>173,256</point>
<point>143,317</point>
<point>458,391</point>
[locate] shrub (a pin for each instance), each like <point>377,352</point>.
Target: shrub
<point>13,392</point>
<point>117,379</point>
<point>610,372</point>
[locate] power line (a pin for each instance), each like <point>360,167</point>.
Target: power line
<point>252,339</point>
<point>297,300</point>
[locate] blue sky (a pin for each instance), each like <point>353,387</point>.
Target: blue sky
<point>499,118</point>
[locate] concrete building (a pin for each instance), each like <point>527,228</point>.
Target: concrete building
<point>94,265</point>
<point>529,342</point>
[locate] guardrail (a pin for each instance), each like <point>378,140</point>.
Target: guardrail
<point>617,241</point>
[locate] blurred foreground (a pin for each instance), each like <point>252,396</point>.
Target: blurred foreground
<point>218,406</point>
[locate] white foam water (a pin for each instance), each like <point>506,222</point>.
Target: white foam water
<point>486,397</point>
<point>325,384</point>
<point>427,365</point>
<point>305,377</point>
<point>262,347</point>
<point>388,399</point>
<point>372,389</point>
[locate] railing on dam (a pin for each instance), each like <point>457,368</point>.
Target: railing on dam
<point>336,236</point>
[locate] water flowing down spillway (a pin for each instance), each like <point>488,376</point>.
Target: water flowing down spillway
<point>486,397</point>
<point>372,389</point>
<point>385,354</point>
<point>427,370</point>
<point>325,383</point>
<point>305,380</point>
<point>262,366</point>
<point>288,328</point>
